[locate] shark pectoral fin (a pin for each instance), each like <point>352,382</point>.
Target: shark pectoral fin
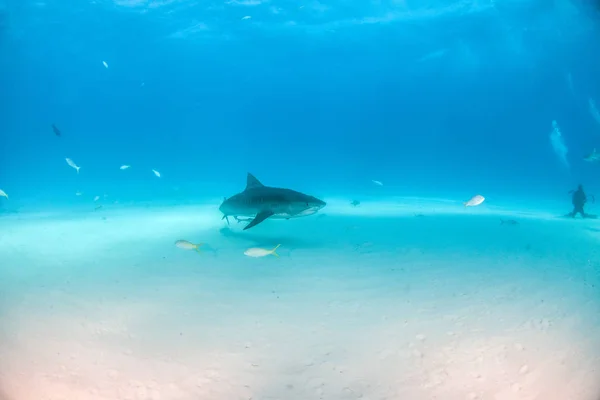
<point>260,217</point>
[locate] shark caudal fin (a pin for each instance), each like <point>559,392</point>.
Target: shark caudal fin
<point>252,182</point>
<point>260,217</point>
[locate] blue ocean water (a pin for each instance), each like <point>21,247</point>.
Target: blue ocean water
<point>407,295</point>
<point>432,99</point>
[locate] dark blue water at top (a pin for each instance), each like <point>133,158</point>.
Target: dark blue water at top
<point>440,99</point>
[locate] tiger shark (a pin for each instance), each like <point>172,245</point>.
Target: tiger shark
<point>261,202</point>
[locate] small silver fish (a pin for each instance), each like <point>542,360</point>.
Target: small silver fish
<point>72,164</point>
<point>184,244</point>
<point>105,64</point>
<point>474,201</point>
<point>96,198</point>
<point>3,193</point>
<point>258,252</point>
<point>124,167</point>
<point>156,173</point>
<point>378,183</point>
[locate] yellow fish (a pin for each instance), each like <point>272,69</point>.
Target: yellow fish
<point>258,252</point>
<point>3,193</point>
<point>184,244</point>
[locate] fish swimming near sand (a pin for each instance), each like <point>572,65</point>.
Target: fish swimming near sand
<point>72,164</point>
<point>474,201</point>
<point>258,252</point>
<point>3,193</point>
<point>261,202</point>
<point>184,244</point>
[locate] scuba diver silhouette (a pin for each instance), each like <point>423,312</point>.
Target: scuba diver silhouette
<point>579,199</point>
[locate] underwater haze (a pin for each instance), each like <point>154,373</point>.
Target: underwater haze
<point>336,200</point>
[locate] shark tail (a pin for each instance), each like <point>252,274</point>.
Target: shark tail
<point>274,251</point>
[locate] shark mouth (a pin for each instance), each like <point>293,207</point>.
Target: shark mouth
<point>308,211</point>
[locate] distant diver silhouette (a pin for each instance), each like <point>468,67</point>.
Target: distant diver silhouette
<point>579,199</point>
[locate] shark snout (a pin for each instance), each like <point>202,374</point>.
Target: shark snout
<point>316,204</point>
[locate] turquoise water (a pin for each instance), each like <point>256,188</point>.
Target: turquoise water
<point>408,108</point>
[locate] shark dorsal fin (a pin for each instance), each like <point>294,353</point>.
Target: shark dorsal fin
<point>252,182</point>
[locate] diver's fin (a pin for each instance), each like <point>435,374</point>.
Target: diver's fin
<point>252,182</point>
<point>260,217</point>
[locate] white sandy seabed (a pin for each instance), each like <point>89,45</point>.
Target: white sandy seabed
<point>413,300</point>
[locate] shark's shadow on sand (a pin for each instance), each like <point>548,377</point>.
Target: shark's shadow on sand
<point>268,240</point>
